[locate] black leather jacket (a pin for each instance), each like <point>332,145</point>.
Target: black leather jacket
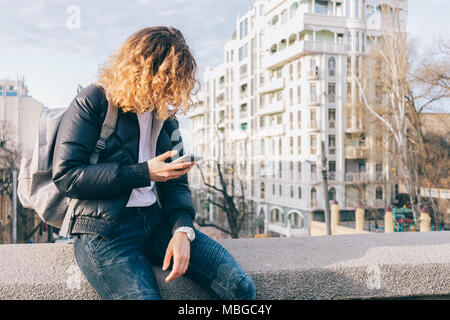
<point>104,188</point>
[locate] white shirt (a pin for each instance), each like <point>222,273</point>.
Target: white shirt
<point>143,197</point>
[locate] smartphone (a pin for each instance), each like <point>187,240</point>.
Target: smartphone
<point>188,158</point>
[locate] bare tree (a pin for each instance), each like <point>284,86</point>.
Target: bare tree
<point>229,195</point>
<point>9,161</point>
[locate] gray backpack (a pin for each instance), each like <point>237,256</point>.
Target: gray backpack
<point>35,188</point>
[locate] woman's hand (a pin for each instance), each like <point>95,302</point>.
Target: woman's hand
<point>161,171</point>
<point>180,249</point>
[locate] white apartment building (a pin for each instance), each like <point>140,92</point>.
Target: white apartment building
<point>286,84</point>
<point>19,115</point>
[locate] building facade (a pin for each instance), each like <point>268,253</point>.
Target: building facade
<point>286,85</point>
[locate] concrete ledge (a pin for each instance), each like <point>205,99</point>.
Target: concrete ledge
<point>333,267</point>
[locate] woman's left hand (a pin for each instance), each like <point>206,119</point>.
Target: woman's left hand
<point>179,248</point>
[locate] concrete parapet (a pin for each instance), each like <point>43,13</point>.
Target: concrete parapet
<point>328,267</point>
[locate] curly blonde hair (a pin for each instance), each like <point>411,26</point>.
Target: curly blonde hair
<point>153,69</point>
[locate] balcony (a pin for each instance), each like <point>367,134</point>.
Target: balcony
<point>278,130</point>
<point>356,177</point>
<point>273,85</point>
<point>360,152</point>
<point>272,108</point>
<point>300,48</point>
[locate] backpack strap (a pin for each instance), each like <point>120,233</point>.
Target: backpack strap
<point>108,127</point>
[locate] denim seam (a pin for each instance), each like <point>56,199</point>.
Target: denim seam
<point>100,275</point>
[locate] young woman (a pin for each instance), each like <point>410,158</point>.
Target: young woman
<point>135,206</point>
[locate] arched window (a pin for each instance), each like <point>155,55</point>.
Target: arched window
<point>273,49</point>
<point>379,193</point>
<point>313,197</point>
<point>296,219</point>
<point>262,190</point>
<point>332,194</point>
<point>292,39</point>
<point>283,44</point>
<point>293,9</point>
<point>331,66</point>
<point>275,20</point>
<point>284,16</point>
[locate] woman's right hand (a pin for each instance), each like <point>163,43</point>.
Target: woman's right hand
<point>161,171</point>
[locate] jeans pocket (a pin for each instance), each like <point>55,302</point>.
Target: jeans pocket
<point>93,241</point>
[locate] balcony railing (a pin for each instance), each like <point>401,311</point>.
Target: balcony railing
<point>356,177</point>
<point>273,85</point>
<point>356,152</point>
<point>300,48</point>
<point>272,108</point>
<point>272,131</point>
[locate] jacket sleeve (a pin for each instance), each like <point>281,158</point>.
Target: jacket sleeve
<point>176,196</point>
<point>77,136</point>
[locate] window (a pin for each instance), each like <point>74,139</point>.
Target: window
<point>299,94</point>
<point>357,42</point>
<point>243,28</point>
<point>261,122</point>
<point>291,121</point>
<point>379,193</point>
<point>332,194</point>
<point>243,52</point>
<point>262,190</point>
<point>284,17</point>
<point>349,66</point>
<point>291,145</point>
<point>280,190</point>
<point>347,7</point>
<point>312,93</point>
<point>279,72</point>
<point>280,169</point>
<point>291,72</point>
<point>299,170</point>
<point>313,144</point>
<point>273,189</point>
<point>331,117</point>
<point>299,144</point>
<point>293,9</point>
<point>275,20</point>
<point>299,119</point>
<point>292,192</point>
<point>331,66</point>
<point>283,44</point>
<point>291,96</point>
<point>332,166</point>
<point>299,192</point>
<point>243,70</point>
<point>332,144</point>
<point>313,119</point>
<point>280,146</point>
<point>313,197</point>
<point>321,7</point>
<point>261,10</point>
<point>244,126</point>
<point>331,92</point>
<point>357,66</point>
<point>356,8</point>
<point>349,92</point>
<point>299,69</point>
<point>262,147</point>
<point>349,41</point>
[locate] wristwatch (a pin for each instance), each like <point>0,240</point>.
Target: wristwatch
<point>189,232</point>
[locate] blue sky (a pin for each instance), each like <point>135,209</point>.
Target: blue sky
<point>37,43</point>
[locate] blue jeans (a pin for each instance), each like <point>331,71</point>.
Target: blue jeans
<point>121,267</point>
